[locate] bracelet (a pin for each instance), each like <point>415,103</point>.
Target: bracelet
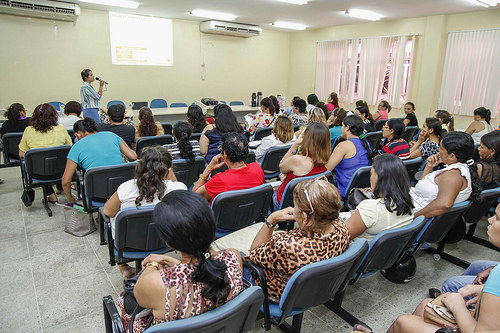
<point>154,264</point>
<point>269,224</point>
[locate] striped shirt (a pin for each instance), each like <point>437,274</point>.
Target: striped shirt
<point>90,97</point>
<point>399,148</point>
<point>176,154</point>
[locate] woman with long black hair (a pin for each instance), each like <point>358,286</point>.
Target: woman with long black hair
<point>481,124</point>
<point>184,148</point>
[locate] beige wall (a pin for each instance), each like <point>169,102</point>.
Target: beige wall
<point>41,60</point>
<point>429,56</point>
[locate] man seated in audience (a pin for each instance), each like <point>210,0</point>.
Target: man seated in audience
<point>239,176</point>
<point>116,115</point>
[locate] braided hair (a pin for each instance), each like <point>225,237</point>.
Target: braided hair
<point>182,133</point>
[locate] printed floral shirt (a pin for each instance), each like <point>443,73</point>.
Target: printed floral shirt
<point>260,120</point>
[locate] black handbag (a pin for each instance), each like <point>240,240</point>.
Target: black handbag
<point>355,196</point>
<point>131,306</point>
<point>28,197</point>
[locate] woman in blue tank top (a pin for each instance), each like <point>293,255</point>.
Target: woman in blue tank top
<point>349,155</point>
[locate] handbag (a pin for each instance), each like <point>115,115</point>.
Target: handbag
<point>435,312</point>
<point>132,310</point>
<point>28,197</point>
<point>76,221</point>
<point>355,196</point>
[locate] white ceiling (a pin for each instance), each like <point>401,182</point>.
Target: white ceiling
<point>315,14</point>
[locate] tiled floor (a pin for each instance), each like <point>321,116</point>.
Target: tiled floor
<point>54,282</point>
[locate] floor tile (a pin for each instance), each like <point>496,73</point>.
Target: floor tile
<point>19,313</point>
<point>16,277</point>
<point>14,248</point>
<point>93,322</point>
<point>11,225</point>
<point>53,242</point>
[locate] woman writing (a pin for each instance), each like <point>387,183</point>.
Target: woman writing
<point>265,118</point>
<point>153,179</point>
<point>428,140</point>
<point>392,204</point>
<point>315,116</point>
<point>481,124</point>
<point>282,135</point>
<point>201,280</point>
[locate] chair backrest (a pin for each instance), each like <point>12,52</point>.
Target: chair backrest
<point>373,139</point>
<point>262,132</point>
<point>409,133</point>
<point>287,198</point>
<point>338,140</point>
<point>360,179</point>
<point>379,124</point>
<point>158,103</point>
<point>437,227</point>
<point>46,164</point>
<point>149,141</point>
<point>135,231</point>
<point>232,103</point>
<point>234,210</point>
<point>388,246</point>
<point>59,106</point>
<point>222,102</point>
<point>478,209</point>
<point>102,182</point>
<point>296,127</point>
<point>316,283</point>
<point>250,159</point>
<point>116,102</point>
<point>10,144</point>
<point>237,315</point>
<point>272,157</point>
<point>412,166</point>
<point>72,135</point>
<point>178,105</point>
<point>167,127</point>
<point>196,136</point>
<point>187,172</point>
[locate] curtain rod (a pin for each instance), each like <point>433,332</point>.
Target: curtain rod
<point>337,40</point>
<point>473,30</point>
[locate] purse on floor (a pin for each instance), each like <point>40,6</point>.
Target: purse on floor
<point>28,197</point>
<point>76,221</point>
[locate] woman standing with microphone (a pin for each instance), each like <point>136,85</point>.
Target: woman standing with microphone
<point>90,97</point>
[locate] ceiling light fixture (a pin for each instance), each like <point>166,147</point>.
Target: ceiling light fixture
<point>363,14</point>
<point>213,15</point>
<point>487,3</point>
<point>289,25</point>
<point>295,2</point>
<point>115,3</point>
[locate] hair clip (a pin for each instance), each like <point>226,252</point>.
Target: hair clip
<point>207,255</point>
<point>470,161</point>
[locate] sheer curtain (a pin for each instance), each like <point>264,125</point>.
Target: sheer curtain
<point>331,60</point>
<point>396,94</point>
<point>471,75</point>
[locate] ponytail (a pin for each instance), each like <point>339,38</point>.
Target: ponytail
<point>212,273</point>
<point>268,103</point>
<point>483,113</point>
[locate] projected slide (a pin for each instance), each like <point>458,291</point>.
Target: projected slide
<point>140,40</point>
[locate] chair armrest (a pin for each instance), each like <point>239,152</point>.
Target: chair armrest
<point>104,218</point>
<point>112,320</point>
<point>259,272</point>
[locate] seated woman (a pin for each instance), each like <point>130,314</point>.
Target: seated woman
<point>211,137</point>
<point>392,207</point>
<point>411,118</point>
<point>320,235</point>
<point>16,119</point>
<point>154,178</point>
<point>93,149</point>
<point>481,124</point>
<point>393,143</point>
<point>314,151</point>
<point>336,120</point>
<point>184,148</point>
<point>428,140</point>
<point>364,113</point>
<point>349,155</point>
<point>333,101</point>
<point>196,118</point>
<point>437,191</point>
<point>488,302</point>
<point>312,100</point>
<point>446,119</point>
<point>282,135</point>
<point>488,166</point>
<point>72,113</point>
<point>382,112</point>
<point>316,115</point>
<point>147,125</point>
<point>44,132</point>
<point>265,118</point>
<point>299,114</point>
<point>202,280</point>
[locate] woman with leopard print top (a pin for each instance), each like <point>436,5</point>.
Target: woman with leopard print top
<point>320,234</point>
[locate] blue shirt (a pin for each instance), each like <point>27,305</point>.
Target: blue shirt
<point>348,166</point>
<point>335,132</point>
<point>492,285</point>
<point>99,149</point>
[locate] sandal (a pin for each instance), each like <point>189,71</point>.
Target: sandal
<point>434,292</point>
<point>53,197</point>
<point>127,271</point>
<point>362,327</point>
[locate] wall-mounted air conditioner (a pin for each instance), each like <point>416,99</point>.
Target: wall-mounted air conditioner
<point>53,10</point>
<point>231,29</point>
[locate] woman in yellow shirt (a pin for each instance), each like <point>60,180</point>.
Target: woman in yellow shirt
<point>44,132</point>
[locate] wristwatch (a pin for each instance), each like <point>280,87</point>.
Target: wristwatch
<point>154,264</point>
<point>269,224</point>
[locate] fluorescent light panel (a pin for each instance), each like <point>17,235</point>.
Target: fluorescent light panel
<point>115,3</point>
<point>295,2</point>
<point>487,3</point>
<point>289,25</point>
<point>213,15</point>
<point>364,14</point>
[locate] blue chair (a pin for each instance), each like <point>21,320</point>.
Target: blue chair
<point>271,161</point>
<point>59,106</point>
<point>409,132</point>
<point>262,132</point>
<point>222,102</point>
<point>10,148</point>
<point>234,210</point>
<point>384,250</point>
<point>196,136</point>
<point>43,167</point>
<point>250,159</point>
<point>379,124</point>
<point>136,236</point>
<point>312,285</point>
<point>237,315</point>
<point>116,102</point>
<point>373,139</point>
<point>167,127</point>
<point>178,105</point>
<point>235,103</point>
<point>149,141</point>
<point>187,172</point>
<point>412,166</point>
<point>158,103</point>
<point>360,179</point>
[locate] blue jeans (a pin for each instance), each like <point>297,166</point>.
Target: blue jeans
<point>454,283</point>
<point>92,113</point>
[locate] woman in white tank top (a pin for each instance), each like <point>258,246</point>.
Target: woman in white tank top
<point>481,124</point>
<point>437,191</point>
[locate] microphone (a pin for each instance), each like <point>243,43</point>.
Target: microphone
<point>98,79</point>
